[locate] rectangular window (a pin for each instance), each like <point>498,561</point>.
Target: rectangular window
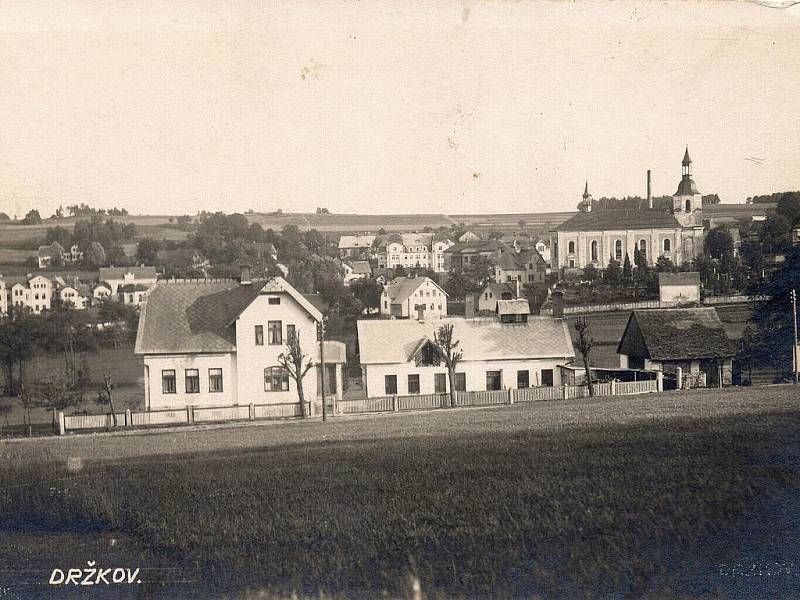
<point>259,335</point>
<point>276,379</point>
<point>192,381</point>
<point>494,380</point>
<point>440,383</point>
<point>290,332</point>
<point>523,379</point>
<point>274,300</point>
<point>413,384</point>
<point>547,377</point>
<point>275,332</point>
<point>460,381</point>
<point>390,384</point>
<point>215,380</point>
<point>168,381</point>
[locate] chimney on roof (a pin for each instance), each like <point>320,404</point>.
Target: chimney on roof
<point>649,191</point>
<point>420,312</point>
<point>558,304</point>
<point>244,275</point>
<point>516,289</point>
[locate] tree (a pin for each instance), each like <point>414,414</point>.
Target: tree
<point>664,265</point>
<point>116,257</point>
<point>719,243</point>
<point>4,217</point>
<point>447,348</point>
<point>147,251</point>
<point>95,256</point>
<point>32,218</point>
<point>19,333</point>
<point>591,273</point>
<point>106,397</point>
<point>613,273</point>
<point>627,270</point>
<point>584,345</point>
<point>297,364</point>
<point>54,395</point>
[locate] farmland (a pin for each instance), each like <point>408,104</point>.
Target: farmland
<point>637,496</point>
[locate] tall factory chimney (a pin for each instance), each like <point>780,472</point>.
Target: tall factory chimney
<point>649,191</point>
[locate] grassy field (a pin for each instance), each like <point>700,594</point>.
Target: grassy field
<point>641,496</point>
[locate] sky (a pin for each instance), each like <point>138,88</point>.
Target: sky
<point>171,107</point>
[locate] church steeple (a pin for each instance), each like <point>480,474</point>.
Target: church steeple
<point>687,163</point>
<point>586,193</point>
<point>587,198</point>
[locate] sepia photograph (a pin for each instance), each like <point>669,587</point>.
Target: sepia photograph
<point>401,299</point>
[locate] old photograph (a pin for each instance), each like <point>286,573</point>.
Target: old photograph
<point>399,299</point>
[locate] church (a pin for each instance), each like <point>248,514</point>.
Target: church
<point>595,237</point>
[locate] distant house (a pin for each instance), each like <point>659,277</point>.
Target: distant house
<point>75,294</point>
<point>355,246</point>
<point>406,297</point>
<point>117,276</point>
<point>216,343</point>
<point>679,288</point>
<point>688,343</point>
<point>464,254</point>
<point>355,270</point>
<point>469,236</point>
<point>524,266</point>
<point>412,250</point>
<point>496,355</point>
<point>100,292</point>
<point>491,293</point>
<point>513,311</point>
<point>133,293</point>
<point>47,255</point>
<point>34,292</point>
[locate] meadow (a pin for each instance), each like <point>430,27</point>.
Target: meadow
<point>641,497</point>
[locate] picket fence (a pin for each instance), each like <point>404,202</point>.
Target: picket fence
<point>251,412</point>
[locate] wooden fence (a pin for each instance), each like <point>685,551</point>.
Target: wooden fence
<point>244,412</point>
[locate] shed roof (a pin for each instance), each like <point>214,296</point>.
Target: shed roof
<point>679,334</point>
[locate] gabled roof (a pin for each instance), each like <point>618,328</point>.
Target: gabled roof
<point>689,278</point>
<point>356,241</point>
<point>133,287</point>
<point>361,267</point>
<point>199,317</point>
<point>54,249</point>
<point>479,339</point>
<point>498,289</point>
<point>679,334</point>
<point>400,289</point>
<point>476,246</point>
<point>510,260</point>
<point>106,273</point>
<point>614,219</point>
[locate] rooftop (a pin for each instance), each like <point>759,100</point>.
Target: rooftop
<point>615,219</point>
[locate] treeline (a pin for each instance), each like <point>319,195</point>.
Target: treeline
<point>99,239</point>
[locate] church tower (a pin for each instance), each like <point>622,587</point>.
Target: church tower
<point>587,198</point>
<point>687,202</point>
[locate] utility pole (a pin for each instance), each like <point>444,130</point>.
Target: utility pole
<point>795,358</point>
<point>321,336</point>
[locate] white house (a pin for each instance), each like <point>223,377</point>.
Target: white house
<point>492,292</point>
<point>216,343</point>
<point>413,250</point>
<point>133,293</point>
<point>74,295</point>
<point>354,270</point>
<point>47,254</point>
<point>355,245</point>
<point>100,292</point>
<point>34,292</point>
<point>397,356</point>
<point>405,297</point>
<point>679,288</point>
<point>117,276</point>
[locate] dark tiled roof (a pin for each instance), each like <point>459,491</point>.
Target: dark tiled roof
<point>690,278</point>
<point>133,287</point>
<point>680,334</point>
<point>106,273</point>
<point>616,218</point>
<point>192,317</point>
<point>476,246</point>
<point>687,187</point>
<point>519,260</point>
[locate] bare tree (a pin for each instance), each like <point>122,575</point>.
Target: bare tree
<point>293,359</point>
<point>54,396</point>
<point>447,347</point>
<point>106,396</point>
<point>585,343</point>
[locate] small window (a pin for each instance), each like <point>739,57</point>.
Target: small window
<point>547,377</point>
<point>494,380</point>
<point>460,381</point>
<point>215,380</point>
<point>667,245</point>
<point>571,248</point>
<point>275,332</point>
<point>594,250</point>
<point>168,381</point>
<point>259,335</point>
<point>523,379</point>
<point>618,250</point>
<point>390,384</point>
<point>273,300</point>
<point>413,384</point>
<point>276,379</point>
<point>291,331</point>
<point>192,381</point>
<point>440,383</point>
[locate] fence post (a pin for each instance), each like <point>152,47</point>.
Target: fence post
<point>252,412</point>
<point>564,392</point>
<point>660,381</point>
<point>510,396</point>
<point>678,378</point>
<point>61,424</point>
<point>190,415</point>
<point>613,387</point>
<point>395,406</point>
<point>128,418</point>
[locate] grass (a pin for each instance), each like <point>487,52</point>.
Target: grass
<point>594,497</point>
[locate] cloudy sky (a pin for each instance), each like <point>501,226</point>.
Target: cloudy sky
<point>372,107</point>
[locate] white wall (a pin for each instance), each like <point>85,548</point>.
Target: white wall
<point>158,400</point>
<point>252,359</point>
<point>679,293</point>
<point>475,370</point>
